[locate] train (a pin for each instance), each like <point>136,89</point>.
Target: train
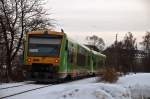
<point>53,55</point>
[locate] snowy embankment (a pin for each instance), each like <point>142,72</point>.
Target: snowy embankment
<point>135,86</point>
<point>92,91</point>
<point>138,84</point>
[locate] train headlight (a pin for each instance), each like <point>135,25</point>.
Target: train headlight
<point>29,59</point>
<point>56,61</point>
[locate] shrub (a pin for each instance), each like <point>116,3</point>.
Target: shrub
<point>109,75</point>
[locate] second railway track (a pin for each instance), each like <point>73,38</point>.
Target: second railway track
<point>19,85</point>
<point>13,91</point>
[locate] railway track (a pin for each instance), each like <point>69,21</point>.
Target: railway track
<point>15,90</point>
<point>22,91</point>
<point>14,86</point>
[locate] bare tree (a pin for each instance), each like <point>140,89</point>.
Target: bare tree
<point>129,41</point>
<point>121,55</point>
<point>16,18</point>
<point>96,41</point>
<point>146,46</point>
<point>130,46</point>
<point>146,42</point>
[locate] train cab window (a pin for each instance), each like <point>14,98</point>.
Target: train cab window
<point>44,45</point>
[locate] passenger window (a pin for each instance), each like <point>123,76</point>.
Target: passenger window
<point>66,46</point>
<point>70,54</point>
<point>81,58</point>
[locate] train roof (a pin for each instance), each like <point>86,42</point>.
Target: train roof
<point>98,53</point>
<point>85,47</point>
<point>78,43</point>
<point>46,32</point>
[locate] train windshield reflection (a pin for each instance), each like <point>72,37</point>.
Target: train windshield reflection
<point>44,46</point>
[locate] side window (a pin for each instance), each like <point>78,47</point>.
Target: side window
<point>100,63</point>
<point>94,61</point>
<point>70,53</point>
<point>81,58</point>
<point>66,46</point>
<point>88,60</point>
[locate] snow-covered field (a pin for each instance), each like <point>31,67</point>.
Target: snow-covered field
<point>138,84</point>
<point>133,86</point>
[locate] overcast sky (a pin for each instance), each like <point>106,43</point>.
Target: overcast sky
<point>105,18</point>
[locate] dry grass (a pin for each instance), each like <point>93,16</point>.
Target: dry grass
<point>109,75</point>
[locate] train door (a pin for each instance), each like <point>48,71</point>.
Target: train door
<point>71,59</point>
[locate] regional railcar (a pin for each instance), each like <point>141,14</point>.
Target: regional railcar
<point>52,55</point>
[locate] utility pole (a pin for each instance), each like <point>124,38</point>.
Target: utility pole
<point>116,41</point>
<point>116,52</point>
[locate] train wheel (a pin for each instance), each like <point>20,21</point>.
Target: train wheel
<point>93,75</point>
<point>68,78</point>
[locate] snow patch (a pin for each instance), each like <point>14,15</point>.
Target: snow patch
<point>138,84</point>
<point>93,91</point>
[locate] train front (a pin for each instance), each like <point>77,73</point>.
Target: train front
<point>42,55</point>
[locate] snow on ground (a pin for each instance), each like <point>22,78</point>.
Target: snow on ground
<point>133,79</point>
<point>85,81</point>
<point>83,89</point>
<point>87,91</point>
<point>138,84</point>
<point>93,91</point>
<point>135,86</point>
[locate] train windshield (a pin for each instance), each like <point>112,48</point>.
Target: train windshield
<point>44,46</point>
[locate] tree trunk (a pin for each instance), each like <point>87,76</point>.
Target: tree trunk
<point>8,69</point>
